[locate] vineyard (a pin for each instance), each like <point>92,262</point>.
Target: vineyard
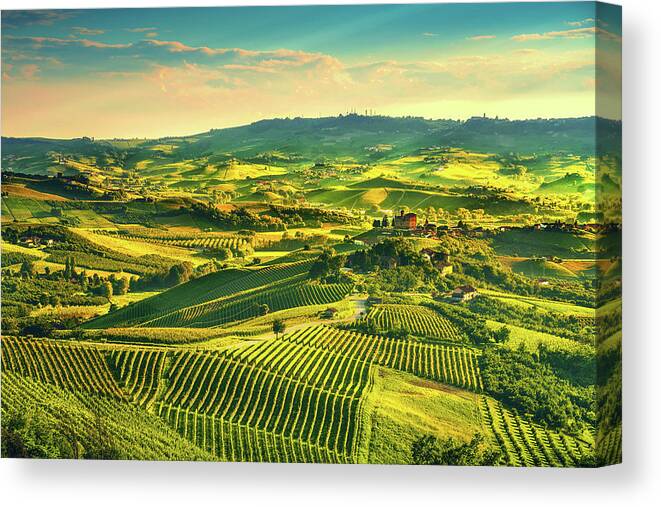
<point>218,287</point>
<point>292,293</point>
<point>525,443</point>
<point>275,400</point>
<point>312,402</point>
<point>297,398</point>
<point>75,367</point>
<point>416,320</point>
<point>610,446</point>
<point>205,242</point>
<point>76,417</point>
<point>139,372</point>
<point>455,365</point>
<point>233,442</point>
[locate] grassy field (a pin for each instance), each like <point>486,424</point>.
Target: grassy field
<point>136,248</point>
<point>402,406</point>
<point>541,268</point>
<point>546,243</point>
<point>531,340</point>
<point>543,304</point>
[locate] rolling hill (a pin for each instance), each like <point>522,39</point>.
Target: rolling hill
<point>284,141</point>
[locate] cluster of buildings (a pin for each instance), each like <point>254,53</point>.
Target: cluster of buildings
<point>407,224</point>
<point>34,242</point>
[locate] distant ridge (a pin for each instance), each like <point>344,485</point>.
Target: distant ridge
<point>363,139</point>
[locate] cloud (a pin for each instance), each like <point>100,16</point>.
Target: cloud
<point>15,19</point>
<point>582,22</point>
<point>576,33</point>
<point>30,71</point>
<point>481,37</point>
<point>81,30</point>
<point>6,70</point>
<point>160,87</point>
<point>142,29</point>
<point>526,51</point>
<point>82,56</point>
<point>41,42</point>
<point>429,34</point>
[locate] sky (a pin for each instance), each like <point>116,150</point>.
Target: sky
<point>128,73</point>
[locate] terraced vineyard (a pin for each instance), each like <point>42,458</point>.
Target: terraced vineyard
<point>528,444</point>
<point>139,371</point>
<point>306,401</point>
<point>275,401</point>
<point>233,442</point>
<point>449,364</point>
<point>233,243</point>
<point>136,433</point>
<point>75,367</point>
<point>297,291</point>
<point>224,284</point>
<point>416,320</point>
<point>610,446</point>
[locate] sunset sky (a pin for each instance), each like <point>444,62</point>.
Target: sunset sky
<point>156,72</point>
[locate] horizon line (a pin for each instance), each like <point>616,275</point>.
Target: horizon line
<point>339,115</point>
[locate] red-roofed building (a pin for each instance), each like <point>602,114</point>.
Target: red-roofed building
<point>405,221</point>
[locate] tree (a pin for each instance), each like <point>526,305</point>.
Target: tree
<point>106,289</point>
<point>27,268</point>
<point>428,450</point>
<point>278,327</point>
<point>179,273</point>
<point>121,286</point>
<point>501,335</point>
<point>327,267</point>
<point>263,309</point>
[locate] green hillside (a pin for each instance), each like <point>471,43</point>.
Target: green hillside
<point>541,268</point>
<point>531,243</point>
<point>280,142</point>
<point>570,183</point>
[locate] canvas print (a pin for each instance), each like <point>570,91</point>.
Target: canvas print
<point>384,234</point>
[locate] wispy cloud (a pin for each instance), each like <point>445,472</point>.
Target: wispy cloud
<point>582,22</point>
<point>14,19</point>
<point>30,71</point>
<point>81,30</point>
<point>429,34</point>
<point>142,29</point>
<point>575,33</point>
<point>136,56</point>
<point>40,42</point>
<point>481,37</point>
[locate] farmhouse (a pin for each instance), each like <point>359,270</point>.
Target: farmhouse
<point>440,260</point>
<point>430,227</point>
<point>405,221</point>
<point>464,293</point>
<point>329,313</point>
